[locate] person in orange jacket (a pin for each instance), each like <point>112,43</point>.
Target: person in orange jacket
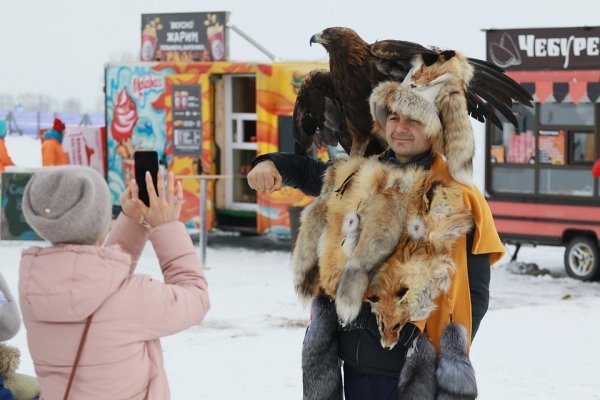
<point>5,159</point>
<point>596,169</point>
<point>52,151</point>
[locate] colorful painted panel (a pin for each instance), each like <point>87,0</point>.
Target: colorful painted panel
<point>135,120</point>
<point>186,162</point>
<point>139,110</point>
<point>277,87</point>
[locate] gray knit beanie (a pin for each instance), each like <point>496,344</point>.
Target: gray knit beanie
<point>67,204</point>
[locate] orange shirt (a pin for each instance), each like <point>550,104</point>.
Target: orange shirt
<point>457,302</point>
<point>53,153</point>
<point>5,159</point>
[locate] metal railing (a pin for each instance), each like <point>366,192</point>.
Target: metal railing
<point>32,122</point>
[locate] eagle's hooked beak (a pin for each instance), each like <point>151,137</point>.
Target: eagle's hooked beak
<point>316,38</point>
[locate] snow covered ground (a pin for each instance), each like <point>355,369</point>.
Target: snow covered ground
<point>25,150</point>
<point>538,341</point>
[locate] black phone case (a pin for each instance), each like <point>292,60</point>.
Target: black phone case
<point>145,161</point>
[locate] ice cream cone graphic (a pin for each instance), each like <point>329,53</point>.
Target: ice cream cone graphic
<point>124,119</point>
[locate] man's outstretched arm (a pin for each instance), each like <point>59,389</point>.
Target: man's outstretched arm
<point>270,171</point>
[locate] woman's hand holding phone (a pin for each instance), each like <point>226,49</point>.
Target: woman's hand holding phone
<point>164,207</point>
<point>131,204</point>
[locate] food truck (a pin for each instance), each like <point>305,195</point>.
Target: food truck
<point>207,118</point>
<point>538,175</point>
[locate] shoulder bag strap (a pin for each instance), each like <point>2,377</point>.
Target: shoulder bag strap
<point>79,350</point>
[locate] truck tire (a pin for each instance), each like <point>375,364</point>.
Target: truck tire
<point>582,259</point>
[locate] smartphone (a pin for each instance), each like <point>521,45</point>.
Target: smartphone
<point>145,161</point>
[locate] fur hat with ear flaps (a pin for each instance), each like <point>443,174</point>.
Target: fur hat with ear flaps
<point>433,93</point>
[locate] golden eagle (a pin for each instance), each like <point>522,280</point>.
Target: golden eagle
<point>333,106</point>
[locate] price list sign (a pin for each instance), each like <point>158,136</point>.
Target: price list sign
<point>187,119</point>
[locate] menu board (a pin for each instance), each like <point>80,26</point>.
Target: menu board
<point>187,119</point>
<point>551,147</point>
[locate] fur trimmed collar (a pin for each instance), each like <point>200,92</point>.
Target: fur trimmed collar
<point>421,160</point>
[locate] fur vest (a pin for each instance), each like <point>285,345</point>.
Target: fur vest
<point>395,238</point>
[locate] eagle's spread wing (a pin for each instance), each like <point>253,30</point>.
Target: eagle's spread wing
<point>393,58</point>
<point>326,117</point>
<point>397,49</point>
<point>318,116</point>
<point>491,89</point>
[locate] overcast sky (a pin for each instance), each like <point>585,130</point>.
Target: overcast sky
<point>59,47</point>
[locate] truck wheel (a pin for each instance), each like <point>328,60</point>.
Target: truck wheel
<point>582,259</point>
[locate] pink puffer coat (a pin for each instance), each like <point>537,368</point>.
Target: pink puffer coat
<point>60,286</point>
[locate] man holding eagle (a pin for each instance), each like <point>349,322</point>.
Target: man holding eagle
<point>401,111</point>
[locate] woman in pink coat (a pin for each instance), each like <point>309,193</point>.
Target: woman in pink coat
<point>61,286</point>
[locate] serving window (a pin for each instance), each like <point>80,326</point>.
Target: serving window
<point>549,153</point>
<point>515,145</point>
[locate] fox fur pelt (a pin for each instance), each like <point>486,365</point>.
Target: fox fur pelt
<point>420,268</point>
<point>452,377</point>
<point>452,73</point>
<point>417,378</point>
<point>379,233</point>
<point>455,374</point>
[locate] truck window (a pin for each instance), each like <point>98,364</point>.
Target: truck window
<point>549,153</point>
<point>582,149</point>
<point>515,145</point>
<point>562,114</point>
<point>513,180</point>
<point>566,182</point>
<point>512,154</point>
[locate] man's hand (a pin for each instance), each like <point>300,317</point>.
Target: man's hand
<point>264,177</point>
<point>131,205</point>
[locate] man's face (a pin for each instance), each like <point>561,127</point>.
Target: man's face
<point>405,137</point>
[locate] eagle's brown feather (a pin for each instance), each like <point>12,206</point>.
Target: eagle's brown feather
<point>356,67</point>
